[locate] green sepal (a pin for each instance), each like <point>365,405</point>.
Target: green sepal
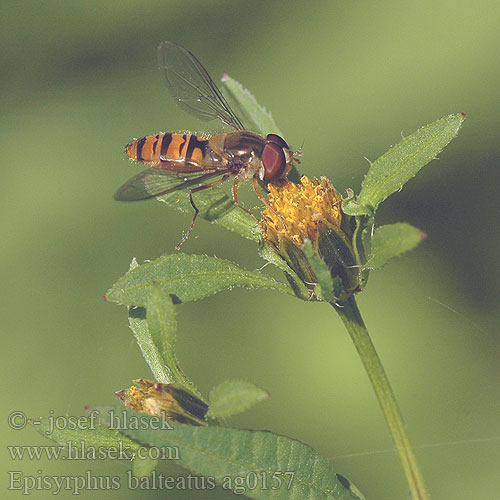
<point>188,407</point>
<point>269,252</point>
<point>339,291</point>
<point>336,251</point>
<point>324,282</point>
<point>297,261</point>
<point>192,407</point>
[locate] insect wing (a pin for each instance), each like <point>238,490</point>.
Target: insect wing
<point>156,182</point>
<point>191,86</point>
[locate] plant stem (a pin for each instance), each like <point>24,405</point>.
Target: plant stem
<point>351,317</point>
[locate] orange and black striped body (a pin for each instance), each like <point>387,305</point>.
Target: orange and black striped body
<point>182,152</point>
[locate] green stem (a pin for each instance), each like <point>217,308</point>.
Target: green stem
<point>351,317</point>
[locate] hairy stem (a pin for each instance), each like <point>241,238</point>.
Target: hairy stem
<point>353,322</point>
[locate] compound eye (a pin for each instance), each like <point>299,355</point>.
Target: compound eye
<point>276,139</point>
<point>274,161</point>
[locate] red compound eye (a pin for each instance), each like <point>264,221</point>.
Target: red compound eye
<point>277,140</point>
<point>274,161</point>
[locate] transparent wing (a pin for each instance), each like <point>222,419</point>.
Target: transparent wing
<point>191,86</point>
<point>156,182</point>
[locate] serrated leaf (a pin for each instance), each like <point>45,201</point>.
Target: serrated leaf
<point>231,455</point>
<point>187,278</point>
<point>133,264</point>
<point>402,162</point>
<point>156,338</point>
<point>392,240</point>
<point>150,351</point>
<point>164,367</point>
<point>215,206</point>
<point>160,315</point>
<point>232,397</point>
<point>254,116</point>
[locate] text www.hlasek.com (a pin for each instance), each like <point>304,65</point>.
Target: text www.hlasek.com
<point>82,451</point>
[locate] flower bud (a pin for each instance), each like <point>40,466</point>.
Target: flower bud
<point>167,400</point>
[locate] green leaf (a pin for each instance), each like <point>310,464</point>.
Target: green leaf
<point>324,288</point>
<point>234,457</point>
<point>187,278</point>
<point>402,162</point>
<point>151,352</point>
<point>156,338</point>
<point>94,438</point>
<point>253,115</point>
<point>160,314</point>
<point>88,435</point>
<point>233,396</point>
<point>215,206</point>
<point>144,467</point>
<point>351,207</point>
<point>393,240</point>
<point>163,363</point>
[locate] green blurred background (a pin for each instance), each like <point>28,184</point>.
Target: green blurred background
<point>344,80</point>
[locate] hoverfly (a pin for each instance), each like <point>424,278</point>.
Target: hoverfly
<point>180,160</point>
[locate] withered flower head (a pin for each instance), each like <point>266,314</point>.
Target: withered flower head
<point>167,400</point>
<point>311,210</point>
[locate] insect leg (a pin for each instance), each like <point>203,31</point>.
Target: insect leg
<point>196,210</point>
<point>257,191</point>
<point>235,199</point>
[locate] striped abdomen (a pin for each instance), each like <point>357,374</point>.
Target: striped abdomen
<point>172,151</point>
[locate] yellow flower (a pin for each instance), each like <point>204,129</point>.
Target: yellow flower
<point>167,400</point>
<point>295,210</point>
<point>311,211</point>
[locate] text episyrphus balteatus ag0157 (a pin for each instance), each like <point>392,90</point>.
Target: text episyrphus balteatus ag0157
<point>182,160</point>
